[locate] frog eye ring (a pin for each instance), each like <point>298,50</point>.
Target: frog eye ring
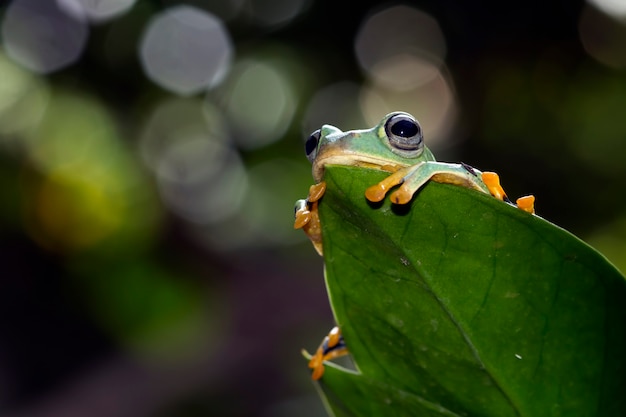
<point>310,145</point>
<point>404,134</point>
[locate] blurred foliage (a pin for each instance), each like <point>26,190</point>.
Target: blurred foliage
<point>148,187</point>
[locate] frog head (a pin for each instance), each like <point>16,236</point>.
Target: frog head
<point>396,142</point>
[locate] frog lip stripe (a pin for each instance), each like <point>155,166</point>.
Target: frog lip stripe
<point>348,159</point>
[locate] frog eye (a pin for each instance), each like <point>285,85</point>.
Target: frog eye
<point>404,133</point>
<point>311,145</point>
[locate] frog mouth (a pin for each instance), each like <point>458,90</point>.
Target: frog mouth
<point>353,160</point>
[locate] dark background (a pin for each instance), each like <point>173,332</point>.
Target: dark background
<point>118,299</point>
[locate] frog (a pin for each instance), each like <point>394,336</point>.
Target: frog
<point>395,145</point>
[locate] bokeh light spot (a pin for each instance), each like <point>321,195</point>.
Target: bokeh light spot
<point>275,12</point>
<point>260,103</point>
<point>61,141</point>
<point>262,221</point>
<point>224,9</point>
<point>433,103</point>
<point>186,50</point>
<point>88,190</point>
<point>41,37</point>
<point>200,175</point>
<point>336,104</point>
<point>73,213</point>
<point>402,51</point>
<point>96,10</point>
<point>23,99</point>
<point>398,46</point>
<point>270,183</point>
<point>603,37</point>
<point>615,8</point>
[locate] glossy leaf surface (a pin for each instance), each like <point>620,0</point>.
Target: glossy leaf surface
<point>459,304</point>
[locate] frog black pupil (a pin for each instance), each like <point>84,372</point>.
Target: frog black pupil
<point>404,128</point>
<point>311,144</point>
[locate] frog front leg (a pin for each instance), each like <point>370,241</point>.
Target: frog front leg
<point>307,216</point>
<point>333,346</point>
<point>414,177</point>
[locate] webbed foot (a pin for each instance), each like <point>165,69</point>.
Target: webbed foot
<point>331,347</point>
<point>377,192</point>
<point>526,203</point>
<point>492,180</point>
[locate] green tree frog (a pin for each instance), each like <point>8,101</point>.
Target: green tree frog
<point>395,145</point>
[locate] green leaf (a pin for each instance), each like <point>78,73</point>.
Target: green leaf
<point>460,304</point>
<point>349,394</point>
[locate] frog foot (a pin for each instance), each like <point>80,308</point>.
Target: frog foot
<point>526,203</point>
<point>307,216</point>
<point>377,193</point>
<point>331,347</point>
<point>492,181</point>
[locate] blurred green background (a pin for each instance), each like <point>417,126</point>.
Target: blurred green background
<point>151,153</point>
